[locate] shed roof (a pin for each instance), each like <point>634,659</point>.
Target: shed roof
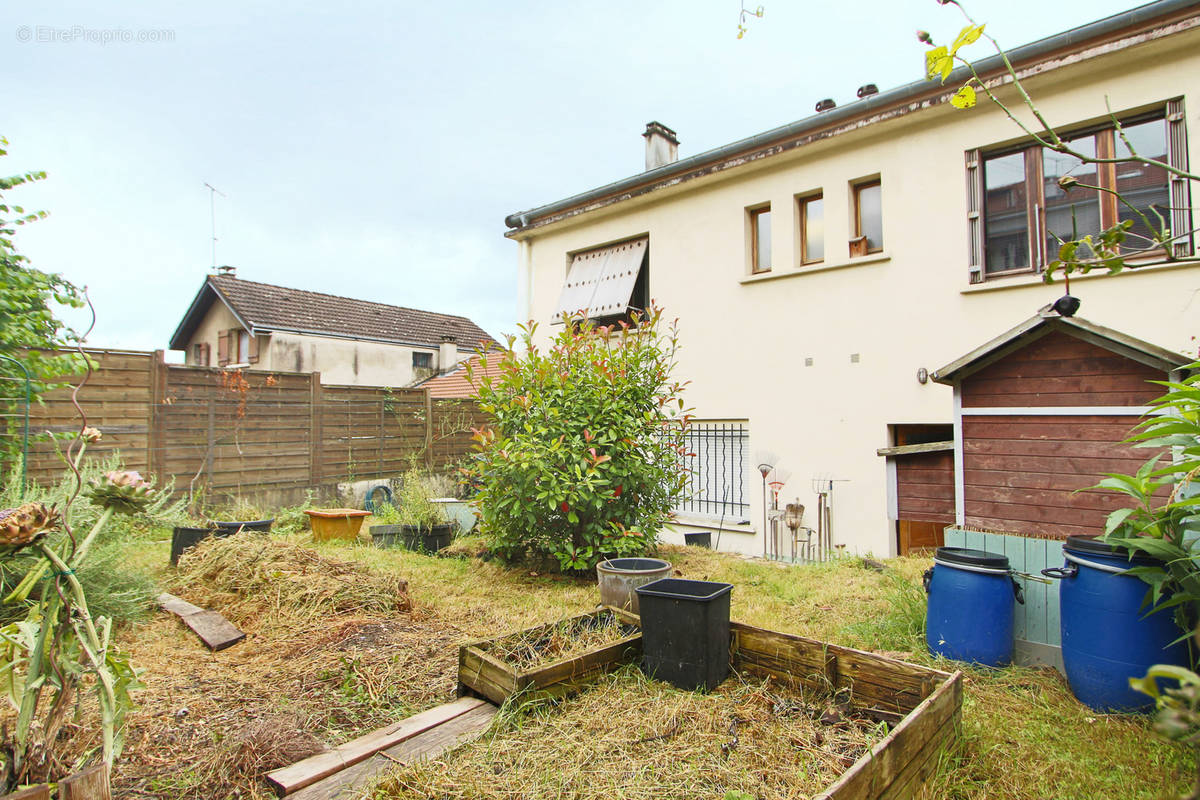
<point>455,382</point>
<point>1042,324</point>
<point>264,308</point>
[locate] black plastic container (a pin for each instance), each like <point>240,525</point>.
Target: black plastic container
<point>427,540</point>
<point>260,525</point>
<point>685,632</point>
<point>187,538</point>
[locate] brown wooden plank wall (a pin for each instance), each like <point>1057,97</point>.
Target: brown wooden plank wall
<point>117,400</point>
<point>1060,370</point>
<point>204,427</point>
<point>925,487</point>
<point>1021,473</point>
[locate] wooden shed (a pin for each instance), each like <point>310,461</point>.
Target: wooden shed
<point>1041,411</point>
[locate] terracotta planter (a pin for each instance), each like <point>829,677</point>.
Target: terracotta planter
<point>336,523</point>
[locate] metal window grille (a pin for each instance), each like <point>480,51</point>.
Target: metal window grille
<point>716,464</point>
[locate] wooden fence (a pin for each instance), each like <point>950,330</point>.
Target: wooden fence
<point>250,434</point>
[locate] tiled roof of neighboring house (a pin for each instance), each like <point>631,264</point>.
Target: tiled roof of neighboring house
<point>455,383</point>
<point>262,307</point>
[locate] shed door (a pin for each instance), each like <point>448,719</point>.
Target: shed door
<point>924,499</point>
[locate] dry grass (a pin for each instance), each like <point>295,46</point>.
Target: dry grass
<point>638,739</point>
<point>339,675</point>
<point>567,638</point>
<point>251,574</point>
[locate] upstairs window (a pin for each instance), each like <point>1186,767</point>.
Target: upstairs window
<point>422,360</point>
<point>1019,214</point>
<point>868,219</point>
<point>200,354</point>
<point>760,239</point>
<point>812,229</point>
<point>606,284</point>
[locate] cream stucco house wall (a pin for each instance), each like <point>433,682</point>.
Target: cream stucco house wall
<point>822,363</point>
<point>350,342</point>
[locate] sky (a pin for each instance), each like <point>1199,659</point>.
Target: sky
<point>373,149</point>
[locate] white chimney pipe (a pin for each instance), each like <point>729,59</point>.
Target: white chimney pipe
<point>662,146</point>
<point>447,354</point>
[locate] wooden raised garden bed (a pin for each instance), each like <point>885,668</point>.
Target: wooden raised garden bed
<point>483,670</point>
<point>922,706</point>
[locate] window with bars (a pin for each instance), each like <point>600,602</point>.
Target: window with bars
<point>1018,213</point>
<point>716,461</point>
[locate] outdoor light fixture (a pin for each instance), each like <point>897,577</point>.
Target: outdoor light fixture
<point>1066,306</point>
<point>766,462</point>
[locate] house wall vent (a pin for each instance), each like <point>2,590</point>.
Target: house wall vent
<point>662,146</point>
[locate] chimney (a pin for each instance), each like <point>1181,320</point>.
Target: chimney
<point>447,354</point>
<point>661,145</point>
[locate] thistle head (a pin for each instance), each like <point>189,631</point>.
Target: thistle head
<point>26,523</point>
<point>123,491</point>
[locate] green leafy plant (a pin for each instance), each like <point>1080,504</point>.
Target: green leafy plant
<point>413,505</point>
<point>30,333</point>
<point>1163,521</point>
<point>60,648</point>
<point>581,460</point>
<point>1177,717</point>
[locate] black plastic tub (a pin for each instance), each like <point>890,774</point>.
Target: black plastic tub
<point>685,632</point>
<point>260,525</point>
<point>428,540</point>
<point>698,539</point>
<point>186,538</point>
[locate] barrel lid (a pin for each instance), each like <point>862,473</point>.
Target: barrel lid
<point>1095,546</point>
<point>971,558</point>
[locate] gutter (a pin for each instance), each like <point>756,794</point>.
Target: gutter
<point>678,171</point>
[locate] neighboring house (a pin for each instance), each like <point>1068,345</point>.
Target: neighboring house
<point>821,270</point>
<point>456,384</point>
<point>350,342</point>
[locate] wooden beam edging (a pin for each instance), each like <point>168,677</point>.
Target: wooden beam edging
<point>898,757</point>
<point>310,770</point>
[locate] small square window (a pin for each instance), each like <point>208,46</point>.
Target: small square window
<point>868,219</point>
<point>812,229</point>
<point>422,360</point>
<point>760,239</point>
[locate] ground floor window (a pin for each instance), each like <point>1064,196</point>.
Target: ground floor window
<point>717,463</point>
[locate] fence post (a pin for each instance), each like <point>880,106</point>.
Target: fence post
<point>428,429</point>
<point>314,428</point>
<point>156,459</point>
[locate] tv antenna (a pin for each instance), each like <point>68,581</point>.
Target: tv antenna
<point>212,212</point>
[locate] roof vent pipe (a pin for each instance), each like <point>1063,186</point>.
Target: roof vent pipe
<point>867,89</point>
<point>662,146</point>
<point>826,104</point>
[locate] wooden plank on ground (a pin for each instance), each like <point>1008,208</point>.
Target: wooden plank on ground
<point>214,630</point>
<point>311,770</point>
<point>39,792</point>
<point>425,746</point>
<point>91,784</point>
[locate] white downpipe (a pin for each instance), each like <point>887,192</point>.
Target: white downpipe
<point>524,281</point>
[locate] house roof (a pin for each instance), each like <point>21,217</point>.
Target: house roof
<point>264,308</point>
<point>872,109</point>
<point>455,383</point>
<point>1044,323</point>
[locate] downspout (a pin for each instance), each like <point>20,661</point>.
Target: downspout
<point>524,281</point>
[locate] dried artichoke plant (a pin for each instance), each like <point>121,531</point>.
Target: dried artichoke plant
<point>45,657</point>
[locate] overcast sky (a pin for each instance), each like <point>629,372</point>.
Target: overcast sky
<point>373,149</point>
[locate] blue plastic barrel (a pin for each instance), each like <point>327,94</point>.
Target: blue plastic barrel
<point>1107,636</point>
<point>970,612</point>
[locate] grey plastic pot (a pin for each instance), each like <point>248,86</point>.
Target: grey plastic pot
<point>619,577</point>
